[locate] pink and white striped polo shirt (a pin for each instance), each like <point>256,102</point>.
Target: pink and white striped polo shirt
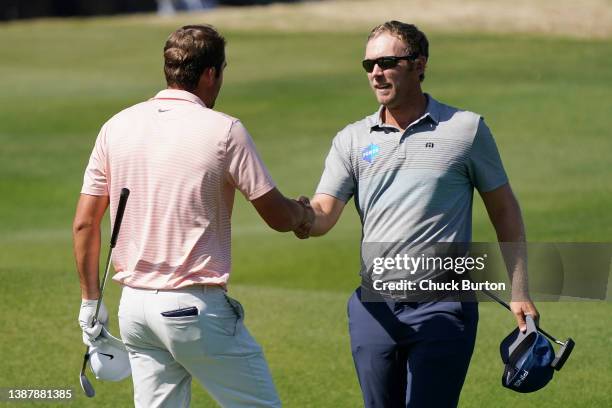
<point>182,163</point>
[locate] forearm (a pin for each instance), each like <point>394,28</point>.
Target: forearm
<point>279,212</point>
<point>323,222</point>
<point>87,254</point>
<point>515,257</point>
<point>511,236</point>
<point>324,211</point>
<point>291,215</point>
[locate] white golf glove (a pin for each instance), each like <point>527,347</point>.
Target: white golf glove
<point>86,315</point>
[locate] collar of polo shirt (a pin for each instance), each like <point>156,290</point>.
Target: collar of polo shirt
<point>178,95</point>
<point>432,111</point>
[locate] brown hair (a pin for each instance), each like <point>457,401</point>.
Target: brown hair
<point>415,40</point>
<point>189,51</point>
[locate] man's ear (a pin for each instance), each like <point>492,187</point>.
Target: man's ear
<point>420,64</point>
<point>210,74</point>
<point>208,77</point>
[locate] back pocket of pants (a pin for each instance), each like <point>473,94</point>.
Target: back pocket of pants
<point>183,312</point>
<point>221,320</point>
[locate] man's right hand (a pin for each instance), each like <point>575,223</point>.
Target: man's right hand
<point>86,315</point>
<point>326,210</point>
<point>303,230</point>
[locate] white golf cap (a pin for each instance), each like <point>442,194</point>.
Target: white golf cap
<point>108,358</point>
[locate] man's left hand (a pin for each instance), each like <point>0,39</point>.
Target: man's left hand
<point>91,330</point>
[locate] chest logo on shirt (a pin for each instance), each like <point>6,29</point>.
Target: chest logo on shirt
<point>370,152</point>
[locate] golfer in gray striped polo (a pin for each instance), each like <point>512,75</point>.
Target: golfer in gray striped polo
<point>411,168</point>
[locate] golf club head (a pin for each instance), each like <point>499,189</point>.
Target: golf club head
<point>86,386</point>
<point>563,354</point>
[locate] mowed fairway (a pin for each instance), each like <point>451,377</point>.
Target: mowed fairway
<point>547,101</point>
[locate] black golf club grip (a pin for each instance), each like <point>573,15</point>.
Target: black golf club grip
<point>125,193</point>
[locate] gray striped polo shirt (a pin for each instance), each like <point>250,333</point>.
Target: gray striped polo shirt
<point>415,186</point>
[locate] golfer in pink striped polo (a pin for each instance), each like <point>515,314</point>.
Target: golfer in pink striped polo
<point>182,162</point>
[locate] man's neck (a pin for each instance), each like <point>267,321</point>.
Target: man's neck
<point>402,116</point>
<point>197,92</point>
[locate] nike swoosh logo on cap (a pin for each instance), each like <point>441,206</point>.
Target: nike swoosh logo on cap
<point>163,110</point>
<point>108,355</point>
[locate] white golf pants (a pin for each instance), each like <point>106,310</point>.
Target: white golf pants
<point>211,344</point>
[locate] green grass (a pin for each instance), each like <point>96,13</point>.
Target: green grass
<point>546,100</point>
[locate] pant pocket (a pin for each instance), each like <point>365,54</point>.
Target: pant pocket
<point>236,307</point>
<point>220,325</point>
<point>222,317</point>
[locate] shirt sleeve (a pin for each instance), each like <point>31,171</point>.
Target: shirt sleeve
<point>338,178</point>
<point>485,166</point>
<point>96,178</point>
<point>246,171</point>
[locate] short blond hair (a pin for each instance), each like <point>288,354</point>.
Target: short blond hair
<point>415,39</point>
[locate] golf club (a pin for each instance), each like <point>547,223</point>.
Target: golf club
<point>85,384</point>
<point>566,347</point>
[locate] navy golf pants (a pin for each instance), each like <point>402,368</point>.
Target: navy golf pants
<point>412,355</point>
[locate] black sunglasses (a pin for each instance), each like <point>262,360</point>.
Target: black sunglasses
<point>386,62</point>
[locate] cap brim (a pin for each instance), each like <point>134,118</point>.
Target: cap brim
<point>112,340</point>
<point>510,344</point>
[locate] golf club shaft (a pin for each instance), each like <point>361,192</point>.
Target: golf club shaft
<point>497,299</point>
<point>102,285</point>
<point>125,193</point>
<point>507,306</point>
<point>116,227</point>
<point>85,360</point>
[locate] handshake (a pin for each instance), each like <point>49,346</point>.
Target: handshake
<point>302,231</point>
